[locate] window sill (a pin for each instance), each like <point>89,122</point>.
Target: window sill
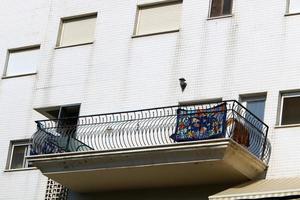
<point>20,169</point>
<point>220,17</point>
<point>291,14</point>
<point>287,126</point>
<point>73,45</point>
<point>19,75</point>
<point>157,33</point>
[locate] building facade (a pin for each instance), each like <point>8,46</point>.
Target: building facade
<point>64,58</point>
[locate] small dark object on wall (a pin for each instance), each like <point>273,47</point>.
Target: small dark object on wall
<point>183,84</point>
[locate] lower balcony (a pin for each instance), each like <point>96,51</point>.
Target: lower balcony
<point>221,143</point>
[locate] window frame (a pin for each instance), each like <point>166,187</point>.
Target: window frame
<point>74,18</point>
<point>282,97</point>
<point>60,120</point>
<point>12,145</point>
<point>149,5</point>
<point>222,15</point>
<point>244,99</point>
<point>44,110</point>
<point>287,10</point>
<point>16,50</point>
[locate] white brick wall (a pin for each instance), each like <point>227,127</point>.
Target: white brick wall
<point>256,50</point>
<point>23,23</point>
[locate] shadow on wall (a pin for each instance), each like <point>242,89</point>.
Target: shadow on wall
<point>187,193</point>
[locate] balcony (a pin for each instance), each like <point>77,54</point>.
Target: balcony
<point>220,143</point>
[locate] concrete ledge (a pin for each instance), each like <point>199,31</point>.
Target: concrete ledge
<point>216,161</point>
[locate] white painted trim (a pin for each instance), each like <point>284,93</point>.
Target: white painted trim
<point>220,17</point>
<point>26,153</point>
<point>155,33</point>
<point>74,45</point>
<point>287,126</point>
<point>287,9</point>
<point>20,169</point>
<point>283,96</point>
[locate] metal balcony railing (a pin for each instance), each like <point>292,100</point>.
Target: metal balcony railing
<point>153,127</point>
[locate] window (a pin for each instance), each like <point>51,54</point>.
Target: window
<point>22,61</point>
<point>18,150</point>
<point>158,18</point>
<point>290,109</point>
<point>220,8</point>
<point>293,6</point>
<point>77,30</point>
<point>256,105</point>
<point>58,112</point>
<point>71,112</point>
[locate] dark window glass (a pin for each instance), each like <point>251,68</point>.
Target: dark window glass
<point>291,111</point>
<point>18,157</point>
<point>68,125</point>
<point>69,111</point>
<point>220,7</point>
<point>66,117</point>
<point>227,7</point>
<point>53,113</point>
<point>216,8</point>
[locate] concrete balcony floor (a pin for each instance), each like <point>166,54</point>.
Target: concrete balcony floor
<point>216,161</point>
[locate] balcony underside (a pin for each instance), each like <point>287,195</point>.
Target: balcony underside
<point>216,161</point>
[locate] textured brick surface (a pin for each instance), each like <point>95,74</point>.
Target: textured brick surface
<point>256,50</point>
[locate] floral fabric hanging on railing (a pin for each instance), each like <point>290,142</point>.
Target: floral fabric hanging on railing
<point>200,124</point>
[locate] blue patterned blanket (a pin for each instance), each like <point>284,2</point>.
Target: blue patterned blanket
<point>200,124</point>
